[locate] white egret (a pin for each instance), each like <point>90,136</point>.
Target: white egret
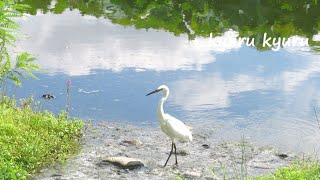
<point>172,127</point>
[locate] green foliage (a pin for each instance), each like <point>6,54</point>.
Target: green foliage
<point>23,66</point>
<point>179,178</point>
<point>30,140</point>
<point>8,33</point>
<point>300,170</point>
<point>249,18</point>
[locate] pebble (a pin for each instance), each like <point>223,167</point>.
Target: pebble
<point>182,152</point>
<point>206,146</point>
<point>132,142</point>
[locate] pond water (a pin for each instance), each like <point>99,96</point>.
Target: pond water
<point>267,96</point>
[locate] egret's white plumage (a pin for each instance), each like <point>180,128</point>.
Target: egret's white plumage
<point>175,129</point>
<point>172,127</point>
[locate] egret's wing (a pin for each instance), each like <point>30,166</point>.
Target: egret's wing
<point>177,128</point>
<point>177,122</point>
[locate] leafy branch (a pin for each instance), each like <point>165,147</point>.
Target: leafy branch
<point>9,30</point>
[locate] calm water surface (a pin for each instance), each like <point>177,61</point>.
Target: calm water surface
<point>266,96</point>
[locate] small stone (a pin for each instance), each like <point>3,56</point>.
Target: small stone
<point>56,175</point>
<point>282,156</point>
<point>182,153</point>
<point>132,142</point>
<point>210,178</point>
<point>123,162</point>
<point>191,175</point>
<point>206,146</point>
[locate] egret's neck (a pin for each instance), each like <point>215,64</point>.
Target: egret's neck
<point>160,106</point>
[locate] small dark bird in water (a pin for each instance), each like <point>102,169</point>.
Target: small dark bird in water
<point>47,96</point>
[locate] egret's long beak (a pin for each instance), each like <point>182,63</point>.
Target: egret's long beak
<point>155,91</point>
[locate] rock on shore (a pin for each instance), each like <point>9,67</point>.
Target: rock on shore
<point>122,162</point>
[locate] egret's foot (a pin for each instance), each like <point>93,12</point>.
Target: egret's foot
<point>164,165</point>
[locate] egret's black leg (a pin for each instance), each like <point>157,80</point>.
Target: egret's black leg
<point>169,154</point>
<point>175,152</point>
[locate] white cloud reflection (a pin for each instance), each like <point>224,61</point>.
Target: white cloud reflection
<point>75,44</point>
<point>295,77</point>
<point>285,120</point>
<point>214,91</point>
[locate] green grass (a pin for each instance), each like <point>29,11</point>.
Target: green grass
<point>299,170</point>
<point>30,140</point>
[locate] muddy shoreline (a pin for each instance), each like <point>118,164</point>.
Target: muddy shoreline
<point>204,157</point>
